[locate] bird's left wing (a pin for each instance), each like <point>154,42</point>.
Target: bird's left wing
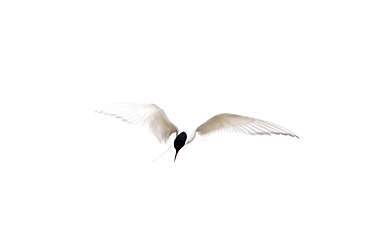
<point>148,115</point>
<point>235,123</point>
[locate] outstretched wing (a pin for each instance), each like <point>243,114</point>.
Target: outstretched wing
<point>148,115</point>
<point>235,123</point>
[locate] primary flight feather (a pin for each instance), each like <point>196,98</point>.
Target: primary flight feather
<point>148,115</point>
<point>154,118</point>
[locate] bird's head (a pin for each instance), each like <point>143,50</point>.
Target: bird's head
<point>179,142</point>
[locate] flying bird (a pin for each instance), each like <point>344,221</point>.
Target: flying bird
<point>154,118</point>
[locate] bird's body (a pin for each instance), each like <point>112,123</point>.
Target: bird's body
<point>162,128</point>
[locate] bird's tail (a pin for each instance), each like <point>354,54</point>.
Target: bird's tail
<point>162,153</point>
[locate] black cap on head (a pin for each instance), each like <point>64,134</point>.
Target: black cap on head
<point>179,142</point>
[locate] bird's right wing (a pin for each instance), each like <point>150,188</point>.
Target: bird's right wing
<point>235,123</point>
<point>148,115</point>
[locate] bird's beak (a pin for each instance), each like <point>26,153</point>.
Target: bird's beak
<point>175,157</point>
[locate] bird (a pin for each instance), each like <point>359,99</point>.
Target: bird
<point>155,119</point>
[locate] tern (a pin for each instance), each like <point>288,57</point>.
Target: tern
<point>154,118</point>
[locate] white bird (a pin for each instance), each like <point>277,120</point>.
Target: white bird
<point>155,119</point>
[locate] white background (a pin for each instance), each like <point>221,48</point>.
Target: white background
<point>70,177</point>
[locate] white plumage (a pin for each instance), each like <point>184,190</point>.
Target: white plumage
<point>157,122</point>
<point>148,115</point>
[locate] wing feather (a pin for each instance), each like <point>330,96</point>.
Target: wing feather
<point>148,115</point>
<point>235,123</point>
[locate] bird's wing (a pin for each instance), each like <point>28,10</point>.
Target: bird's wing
<point>148,115</point>
<point>235,123</point>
